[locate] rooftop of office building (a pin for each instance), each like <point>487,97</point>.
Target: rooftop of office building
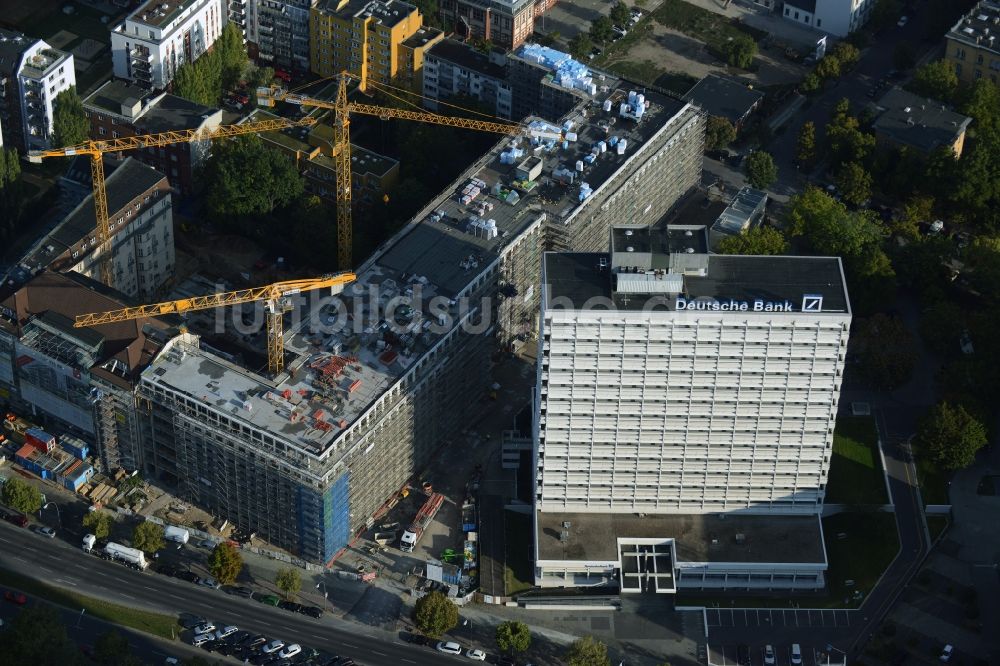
<point>335,375</point>
<point>708,537</point>
<point>979,28</point>
<point>647,272</point>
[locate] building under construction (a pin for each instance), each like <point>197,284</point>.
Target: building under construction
<point>308,458</point>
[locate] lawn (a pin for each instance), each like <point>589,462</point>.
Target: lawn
<point>151,623</point>
<point>713,29</point>
<point>933,481</point>
<point>641,72</point>
<point>856,469</point>
<point>518,564</point>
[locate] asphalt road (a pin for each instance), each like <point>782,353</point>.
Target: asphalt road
<point>60,564</point>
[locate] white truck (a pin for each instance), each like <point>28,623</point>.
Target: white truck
<point>132,556</point>
<point>176,534</point>
<point>88,542</point>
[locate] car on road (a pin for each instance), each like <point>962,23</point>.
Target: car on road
<point>312,611</point>
<point>946,653</point>
<point>226,632</point>
<point>208,581</point>
<point>449,647</point>
<point>476,655</point>
<point>290,651</point>
<point>273,646</point>
<point>201,639</point>
<point>47,532</point>
<point>796,656</point>
<point>769,657</point>
<point>15,597</point>
<point>205,628</point>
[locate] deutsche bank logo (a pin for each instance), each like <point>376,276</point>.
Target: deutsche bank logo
<point>812,303</point>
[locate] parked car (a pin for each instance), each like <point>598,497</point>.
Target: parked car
<point>226,632</point>
<point>191,621</point>
<point>17,519</point>
<point>796,657</point>
<point>416,639</point>
<point>242,592</point>
<point>946,653</point>
<point>476,655</point>
<point>167,569</point>
<point>268,599</point>
<point>208,581</point>
<point>449,647</point>
<point>205,628</point>
<point>201,639</point>
<point>189,576</point>
<point>312,611</point>
<point>769,658</point>
<point>15,597</point>
<point>255,642</point>
<point>47,532</point>
<point>903,20</point>
<point>273,646</point>
<point>291,606</point>
<point>290,651</point>
<point>206,543</point>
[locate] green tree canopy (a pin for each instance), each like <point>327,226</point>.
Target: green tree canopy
<point>982,104</point>
<point>69,121</point>
<point>950,436</point>
<point>982,257</point>
<point>259,76</point>
<point>18,494</point>
<point>846,140</point>
<point>916,210</point>
<point>289,581</point>
<point>11,193</point>
<point>193,83</point>
<point>811,83</point>
<point>828,67</point>
<point>580,46</point>
<point>885,13</point>
<point>761,170</point>
<point>602,30</point>
<point>847,54</point>
<point>740,51</point>
<point>148,536</point>
<point>719,133</point>
<point>620,14</point>
<point>855,183</point>
<point>435,614</point>
<point>112,648</point>
<point>587,651</point>
<point>98,523</point>
<point>936,79</point>
<point>805,149</point>
<point>225,563</point>
<point>829,227</point>
<point>245,178</point>
<point>232,55</point>
<point>886,349</point>
<point>513,636</point>
<point>35,635</point>
<point>759,240</point>
<point>941,327</point>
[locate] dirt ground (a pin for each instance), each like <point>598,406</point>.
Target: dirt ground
<point>674,51</point>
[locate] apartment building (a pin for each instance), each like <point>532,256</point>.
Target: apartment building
<point>413,56</point>
<point>141,215</point>
<point>452,69</point>
<point>311,457</point>
<point>149,46</point>
<point>238,13</point>
<point>504,23</point>
<point>684,415</point>
<point>80,379</point>
<point>281,32</point>
<point>362,36</point>
<point>120,109</point>
<point>918,123</point>
<point>971,45</point>
<point>32,74</point>
<point>836,17</point>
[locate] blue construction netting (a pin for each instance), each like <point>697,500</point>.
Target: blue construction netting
<point>336,516</point>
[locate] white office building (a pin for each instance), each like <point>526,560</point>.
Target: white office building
<point>837,17</point>
<point>150,45</point>
<point>684,413</point>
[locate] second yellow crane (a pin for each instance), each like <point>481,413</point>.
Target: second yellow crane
<point>274,295</point>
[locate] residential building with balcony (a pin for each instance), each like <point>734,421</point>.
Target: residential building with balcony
<point>453,69</point>
<point>362,36</point>
<point>149,46</point>
<point>412,56</point>
<point>120,109</point>
<point>239,15</point>
<point>972,47</point>
<point>504,23</point>
<point>280,32</point>
<point>32,74</point>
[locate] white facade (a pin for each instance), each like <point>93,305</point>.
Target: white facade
<point>43,73</point>
<point>837,17</point>
<point>443,79</point>
<point>157,38</point>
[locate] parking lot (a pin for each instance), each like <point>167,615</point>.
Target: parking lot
<point>793,618</point>
<point>727,655</point>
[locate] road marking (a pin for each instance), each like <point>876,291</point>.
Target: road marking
<point>146,587</point>
<point>45,569</point>
<point>129,596</point>
<point>409,661</point>
<point>381,654</point>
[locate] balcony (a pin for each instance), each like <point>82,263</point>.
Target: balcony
<point>137,55</point>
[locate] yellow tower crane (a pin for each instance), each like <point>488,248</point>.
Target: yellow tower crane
<point>268,96</point>
<point>97,149</point>
<point>274,296</point>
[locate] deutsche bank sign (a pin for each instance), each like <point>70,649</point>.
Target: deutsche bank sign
<point>810,303</point>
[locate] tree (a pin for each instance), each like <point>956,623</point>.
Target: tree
<point>289,582</point>
<point>903,55</point>
<point>740,51</point>
<point>112,648</point>
<point>98,523</point>
<point>11,192</point>
<point>435,614</point>
<point>69,121</point>
<point>758,241</point>
<point>245,178</point>
<point>846,54</point>
<point>232,55</point>
<point>580,46</point>
<point>191,83</point>
<point>885,13</point>
<point>950,436</point>
<point>602,30</point>
<point>855,183</point>
<point>225,563</point>
<point>805,150</point>
<point>719,133</point>
<point>513,636</point>
<point>810,83</point>
<point>887,351</point>
<point>982,256</point>
<point>828,67</point>
<point>148,536</point>
<point>936,79</point>
<point>846,141</point>
<point>941,327</point>
<point>587,651</point>
<point>917,209</point>
<point>35,635</point>
<point>21,496</point>
<point>620,14</point>
<point>259,76</point>
<point>761,170</point>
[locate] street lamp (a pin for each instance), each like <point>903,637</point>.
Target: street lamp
<point>58,514</point>
<point>326,595</point>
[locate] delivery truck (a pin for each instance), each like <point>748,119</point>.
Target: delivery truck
<point>421,522</point>
<point>176,534</point>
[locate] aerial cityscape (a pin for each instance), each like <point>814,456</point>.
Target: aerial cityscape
<point>528,332</point>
